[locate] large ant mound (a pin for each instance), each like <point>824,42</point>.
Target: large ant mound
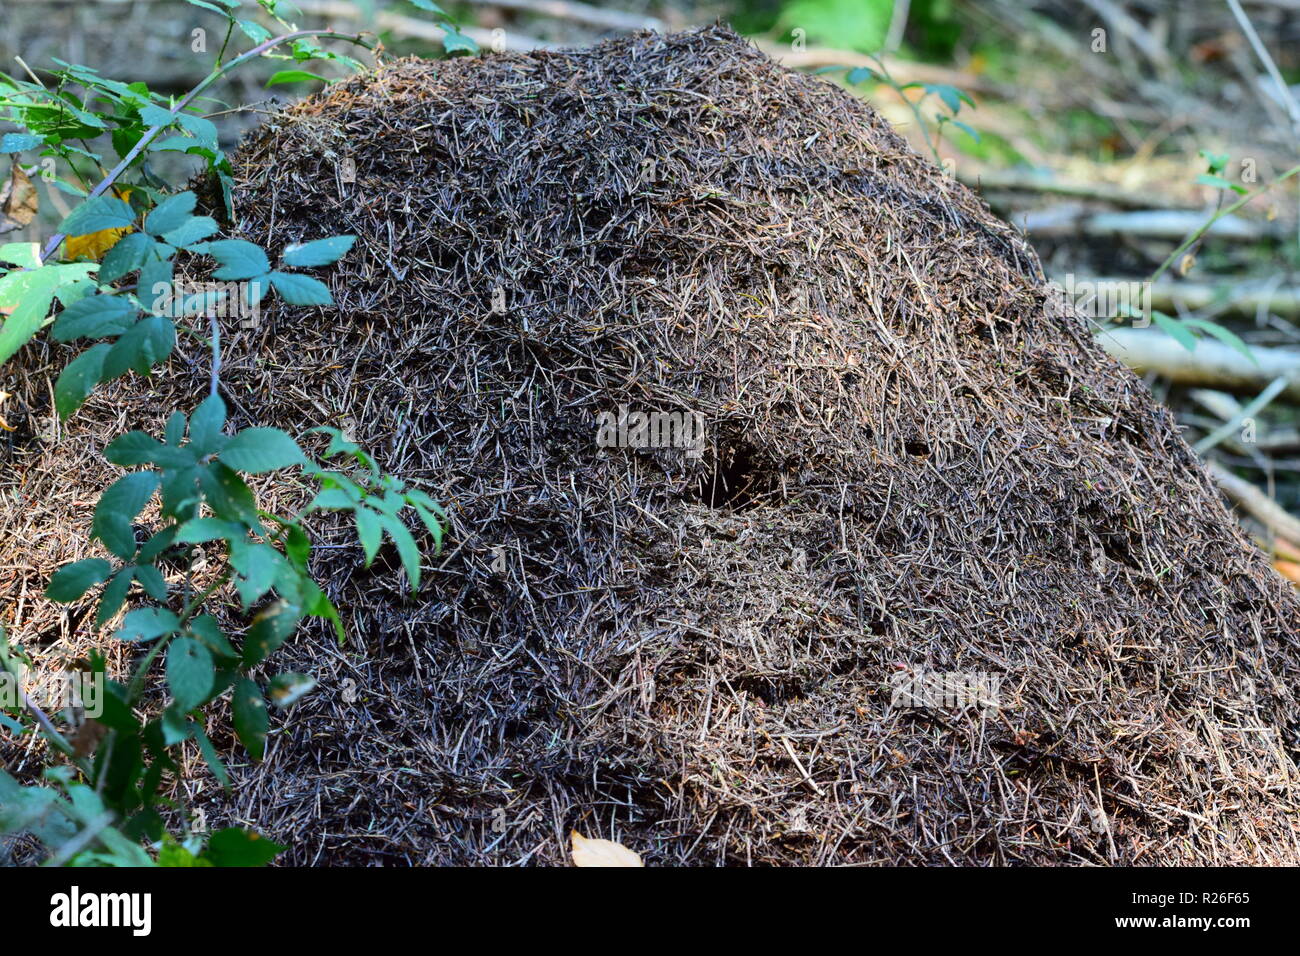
<point>879,470</point>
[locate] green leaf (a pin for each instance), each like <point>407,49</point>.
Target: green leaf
<point>174,432</point>
<point>251,719</point>
<point>78,379</point>
<point>95,317</point>
<point>210,757</point>
<point>208,632</point>
<point>320,252</point>
<point>206,423</point>
<point>1224,335</point>
<point>157,544</point>
<point>270,628</point>
<point>238,259</point>
<point>454,41</point>
<point>97,214</point>
<point>199,530</point>
<point>25,255</point>
<point>258,565</point>
<point>189,672</point>
<point>19,142</point>
<point>114,596</point>
<point>141,347</point>
<point>258,450</point>
<point>23,321</point>
<point>138,448</point>
<point>236,847</point>
<point>172,213</point>
<point>194,230</point>
<point>431,522</point>
<point>147,624</point>
<point>294,76</point>
<point>860,74</point>
<point>254,30</point>
<point>369,532</point>
<point>1177,330</point>
<point>289,688</point>
<point>227,494</point>
<point>117,509</point>
<point>152,580</point>
<point>406,547</point>
<point>73,580</point>
<point>951,96</point>
<point>301,290</point>
<point>430,6</point>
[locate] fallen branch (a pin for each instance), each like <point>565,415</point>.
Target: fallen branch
<point>1212,363</point>
<point>996,179</point>
<point>419,29</point>
<point>1076,218</point>
<point>583,13</point>
<point>1264,509</point>
<point>1242,299</point>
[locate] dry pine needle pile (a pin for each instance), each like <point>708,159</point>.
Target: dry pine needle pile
<point>909,466</point>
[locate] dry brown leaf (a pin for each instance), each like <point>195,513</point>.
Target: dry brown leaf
<point>601,853</point>
<point>18,201</point>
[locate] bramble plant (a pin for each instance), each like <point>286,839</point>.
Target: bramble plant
<point>103,803</point>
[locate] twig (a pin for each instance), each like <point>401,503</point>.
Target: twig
<point>185,101</point>
<point>1212,364</point>
<point>1267,511</point>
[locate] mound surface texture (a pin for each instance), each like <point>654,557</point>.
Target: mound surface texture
<point>909,466</point>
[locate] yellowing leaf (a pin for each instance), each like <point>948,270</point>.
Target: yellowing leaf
<point>601,853</point>
<point>93,245</point>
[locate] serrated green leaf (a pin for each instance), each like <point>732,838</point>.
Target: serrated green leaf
<point>407,549</point>
<point>147,624</point>
<point>194,230</point>
<point>251,719</point>
<point>117,509</point>
<point>73,580</point>
<point>114,596</point>
<point>301,290</point>
<point>227,494</point>
<point>369,532</point>
<point>238,259</point>
<point>320,252</point>
<point>138,448</point>
<point>96,215</point>
<point>206,423</point>
<point>189,672</point>
<point>199,530</point>
<point>152,580</point>
<point>258,450</point>
<point>294,76</point>
<point>270,628</point>
<point>258,565</point>
<point>172,213</point>
<point>78,379</point>
<point>94,317</point>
